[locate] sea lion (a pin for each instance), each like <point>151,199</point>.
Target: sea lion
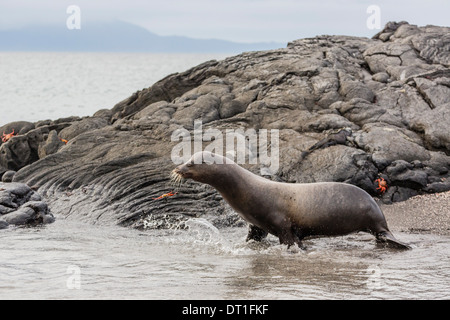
<point>290,211</point>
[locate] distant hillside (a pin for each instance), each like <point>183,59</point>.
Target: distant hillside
<point>115,36</point>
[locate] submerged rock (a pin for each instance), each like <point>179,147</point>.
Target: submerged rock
<point>388,96</point>
<point>20,205</point>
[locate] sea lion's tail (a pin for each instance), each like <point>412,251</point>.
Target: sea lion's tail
<point>388,238</point>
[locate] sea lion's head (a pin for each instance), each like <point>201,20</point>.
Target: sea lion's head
<point>202,167</point>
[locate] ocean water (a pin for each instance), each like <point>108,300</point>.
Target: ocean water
<point>50,85</point>
<point>70,259</point>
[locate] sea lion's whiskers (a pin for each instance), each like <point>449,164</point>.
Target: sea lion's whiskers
<point>176,179</point>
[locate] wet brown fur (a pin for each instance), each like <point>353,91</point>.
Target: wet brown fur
<point>290,211</point>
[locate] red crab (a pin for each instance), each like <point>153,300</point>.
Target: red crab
<point>382,185</point>
<point>165,195</point>
<point>8,136</point>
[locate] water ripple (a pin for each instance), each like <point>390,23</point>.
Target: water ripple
<point>204,262</point>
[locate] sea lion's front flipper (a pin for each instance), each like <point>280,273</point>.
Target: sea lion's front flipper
<point>255,233</point>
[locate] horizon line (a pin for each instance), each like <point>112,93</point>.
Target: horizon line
<point>112,21</point>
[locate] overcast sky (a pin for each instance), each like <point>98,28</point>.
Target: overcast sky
<point>243,20</point>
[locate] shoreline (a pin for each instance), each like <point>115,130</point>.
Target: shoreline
<point>420,214</point>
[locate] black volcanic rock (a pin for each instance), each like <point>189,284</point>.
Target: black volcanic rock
<point>347,109</point>
<point>20,205</point>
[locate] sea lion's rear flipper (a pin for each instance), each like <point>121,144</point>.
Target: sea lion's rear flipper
<point>388,238</point>
<point>256,233</point>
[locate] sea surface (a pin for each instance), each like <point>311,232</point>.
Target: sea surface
<point>50,85</point>
<point>70,259</point>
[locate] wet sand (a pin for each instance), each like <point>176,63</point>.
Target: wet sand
<point>420,214</point>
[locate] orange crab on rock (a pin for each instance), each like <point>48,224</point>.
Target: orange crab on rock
<point>165,195</point>
<point>6,137</point>
<point>382,185</point>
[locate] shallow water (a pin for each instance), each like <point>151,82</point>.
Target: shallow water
<point>73,260</point>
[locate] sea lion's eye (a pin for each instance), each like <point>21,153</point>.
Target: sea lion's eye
<point>190,164</point>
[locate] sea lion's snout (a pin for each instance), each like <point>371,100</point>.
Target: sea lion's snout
<point>195,168</point>
<point>182,171</point>
<point>177,176</point>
